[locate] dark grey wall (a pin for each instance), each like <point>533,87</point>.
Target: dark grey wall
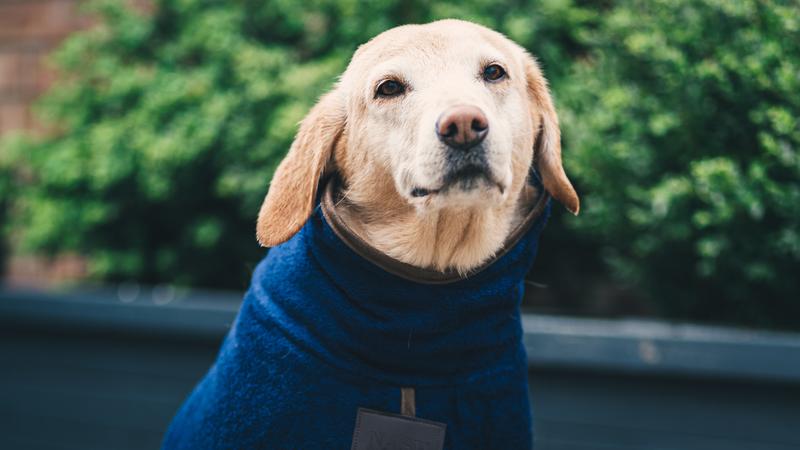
<point>88,371</point>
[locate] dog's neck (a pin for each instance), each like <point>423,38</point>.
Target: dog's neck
<point>447,239</point>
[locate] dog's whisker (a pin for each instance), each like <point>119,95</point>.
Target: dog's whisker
<point>342,198</point>
<point>535,284</point>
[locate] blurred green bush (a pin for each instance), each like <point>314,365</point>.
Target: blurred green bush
<point>679,120</point>
<point>682,129</point>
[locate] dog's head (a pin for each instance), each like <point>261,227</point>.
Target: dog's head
<point>442,115</point>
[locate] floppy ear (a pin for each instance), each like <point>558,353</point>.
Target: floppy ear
<point>293,189</point>
<point>547,148</point>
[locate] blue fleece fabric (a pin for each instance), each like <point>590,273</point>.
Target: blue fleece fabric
<point>322,332</point>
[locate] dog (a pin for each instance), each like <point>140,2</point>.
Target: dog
<point>401,224</point>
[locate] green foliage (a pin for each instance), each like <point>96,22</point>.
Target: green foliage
<point>171,124</point>
<point>7,191</point>
<point>682,131</point>
<point>679,120</point>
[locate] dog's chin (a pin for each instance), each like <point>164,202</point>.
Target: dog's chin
<point>467,190</point>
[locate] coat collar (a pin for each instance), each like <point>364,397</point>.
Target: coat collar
<point>408,271</point>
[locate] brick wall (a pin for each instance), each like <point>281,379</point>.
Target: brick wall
<point>29,30</point>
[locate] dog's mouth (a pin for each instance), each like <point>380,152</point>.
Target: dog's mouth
<point>465,178</point>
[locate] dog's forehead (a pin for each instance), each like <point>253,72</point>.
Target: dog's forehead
<point>445,42</point>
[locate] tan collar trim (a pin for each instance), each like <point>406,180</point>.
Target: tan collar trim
<point>408,271</point>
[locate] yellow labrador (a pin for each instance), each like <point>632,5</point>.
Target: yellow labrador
<point>432,130</point>
<point>401,293</point>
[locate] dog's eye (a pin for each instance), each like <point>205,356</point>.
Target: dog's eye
<point>493,72</point>
<point>390,88</point>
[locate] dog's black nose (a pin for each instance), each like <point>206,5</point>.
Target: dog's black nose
<point>462,127</point>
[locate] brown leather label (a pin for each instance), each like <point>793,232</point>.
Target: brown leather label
<point>376,430</point>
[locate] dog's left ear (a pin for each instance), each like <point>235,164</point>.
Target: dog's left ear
<point>293,190</point>
<point>547,148</point>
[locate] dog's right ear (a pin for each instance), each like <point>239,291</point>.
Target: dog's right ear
<point>292,192</point>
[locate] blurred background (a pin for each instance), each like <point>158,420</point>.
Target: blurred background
<point>137,139</point>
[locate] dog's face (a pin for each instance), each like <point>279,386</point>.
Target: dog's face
<point>436,117</point>
<point>444,108</point>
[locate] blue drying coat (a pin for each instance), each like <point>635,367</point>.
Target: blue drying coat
<point>326,328</point>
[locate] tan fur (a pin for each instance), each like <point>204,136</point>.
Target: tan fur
<point>291,196</point>
<point>548,158</point>
<point>383,148</point>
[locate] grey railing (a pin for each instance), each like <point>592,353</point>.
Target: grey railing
<point>106,368</point>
